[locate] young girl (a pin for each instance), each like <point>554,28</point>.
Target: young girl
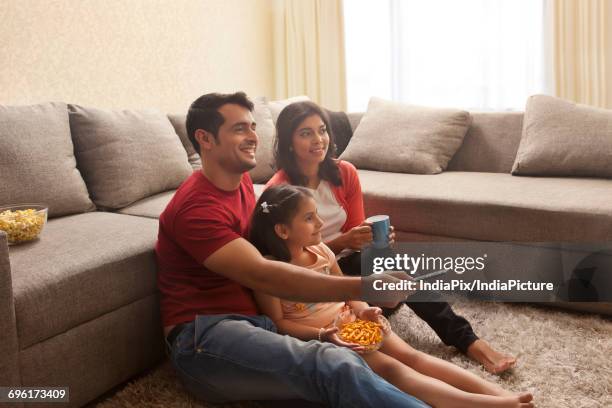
<point>304,151</point>
<point>286,226</point>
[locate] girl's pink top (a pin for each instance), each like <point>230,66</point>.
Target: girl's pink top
<point>315,314</point>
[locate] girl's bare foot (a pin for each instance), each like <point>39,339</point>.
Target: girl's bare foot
<point>523,400</point>
<point>492,360</point>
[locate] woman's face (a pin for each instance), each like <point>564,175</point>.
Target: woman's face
<point>310,140</point>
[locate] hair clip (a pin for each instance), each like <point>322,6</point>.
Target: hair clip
<point>265,206</point>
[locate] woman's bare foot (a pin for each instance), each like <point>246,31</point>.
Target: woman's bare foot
<point>493,361</point>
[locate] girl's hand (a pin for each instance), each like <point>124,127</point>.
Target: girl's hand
<point>370,313</point>
<point>358,236</point>
<point>330,335</point>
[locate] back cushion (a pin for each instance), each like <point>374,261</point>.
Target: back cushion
<point>178,122</point>
<point>491,143</point>
<point>489,146</point>
<point>37,163</point>
<point>126,155</point>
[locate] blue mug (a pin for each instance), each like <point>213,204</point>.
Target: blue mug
<point>380,230</point>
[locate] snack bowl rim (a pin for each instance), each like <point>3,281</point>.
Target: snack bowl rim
<point>35,206</point>
<point>41,209</point>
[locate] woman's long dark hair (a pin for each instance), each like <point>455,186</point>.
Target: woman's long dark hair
<point>277,205</point>
<point>287,122</point>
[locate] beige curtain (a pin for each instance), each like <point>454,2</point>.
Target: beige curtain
<point>580,46</point>
<point>309,51</point>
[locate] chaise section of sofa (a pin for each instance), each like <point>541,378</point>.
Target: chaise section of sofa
<point>478,199</point>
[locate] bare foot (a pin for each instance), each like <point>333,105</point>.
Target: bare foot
<point>493,361</point>
<point>523,400</point>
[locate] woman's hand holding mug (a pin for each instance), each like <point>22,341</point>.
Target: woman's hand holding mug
<point>359,236</point>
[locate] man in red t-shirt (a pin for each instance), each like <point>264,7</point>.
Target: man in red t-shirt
<point>222,349</point>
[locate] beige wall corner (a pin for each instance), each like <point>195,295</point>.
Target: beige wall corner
<point>609,52</point>
<point>133,54</point>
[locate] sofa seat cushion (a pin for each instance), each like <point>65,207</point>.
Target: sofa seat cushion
<point>150,207</point>
<point>492,206</point>
<point>82,267</point>
<point>153,206</point>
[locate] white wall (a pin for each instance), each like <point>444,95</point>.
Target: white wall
<point>133,53</point>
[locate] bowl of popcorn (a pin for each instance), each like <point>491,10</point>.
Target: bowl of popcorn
<point>23,222</point>
<point>368,334</point>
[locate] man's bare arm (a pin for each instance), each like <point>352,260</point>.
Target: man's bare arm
<point>240,261</point>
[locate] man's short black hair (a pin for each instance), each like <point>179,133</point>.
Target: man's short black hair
<point>204,113</point>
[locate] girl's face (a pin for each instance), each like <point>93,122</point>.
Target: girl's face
<point>310,140</point>
<point>305,227</point>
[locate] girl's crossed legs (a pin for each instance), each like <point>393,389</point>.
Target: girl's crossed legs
<point>438,382</point>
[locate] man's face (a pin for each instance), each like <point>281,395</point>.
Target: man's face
<point>236,140</point>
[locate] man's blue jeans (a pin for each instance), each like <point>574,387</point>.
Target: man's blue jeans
<point>223,358</point>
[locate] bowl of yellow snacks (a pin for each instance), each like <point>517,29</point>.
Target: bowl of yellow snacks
<point>368,334</point>
<point>23,222</point>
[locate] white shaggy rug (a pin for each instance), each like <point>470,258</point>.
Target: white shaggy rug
<point>564,358</point>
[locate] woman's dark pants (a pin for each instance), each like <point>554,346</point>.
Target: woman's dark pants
<point>452,329</point>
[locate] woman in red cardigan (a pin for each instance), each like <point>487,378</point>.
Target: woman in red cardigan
<point>304,151</point>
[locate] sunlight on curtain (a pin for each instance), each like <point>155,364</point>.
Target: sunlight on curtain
<point>580,47</point>
<point>472,54</point>
<point>308,51</point>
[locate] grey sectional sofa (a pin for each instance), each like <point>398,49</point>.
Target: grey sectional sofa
<point>79,307</point>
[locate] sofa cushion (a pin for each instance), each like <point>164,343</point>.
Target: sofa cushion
<point>153,206</point>
<point>562,138</point>
<point>341,128</point>
<point>37,161</point>
<point>178,122</point>
<point>82,267</point>
<point>490,143</point>
<point>150,207</point>
<point>492,206</point>
<point>126,155</point>
<point>266,132</point>
<point>276,107</point>
<point>404,138</point>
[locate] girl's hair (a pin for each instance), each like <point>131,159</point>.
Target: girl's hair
<point>277,205</point>
<point>288,121</point>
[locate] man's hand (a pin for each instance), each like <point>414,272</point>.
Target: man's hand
<point>375,288</point>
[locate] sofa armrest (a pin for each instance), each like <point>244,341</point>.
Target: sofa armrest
<point>9,348</point>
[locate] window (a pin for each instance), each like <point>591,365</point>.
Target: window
<point>471,54</point>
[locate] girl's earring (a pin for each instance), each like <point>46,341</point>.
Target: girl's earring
<point>290,148</point>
